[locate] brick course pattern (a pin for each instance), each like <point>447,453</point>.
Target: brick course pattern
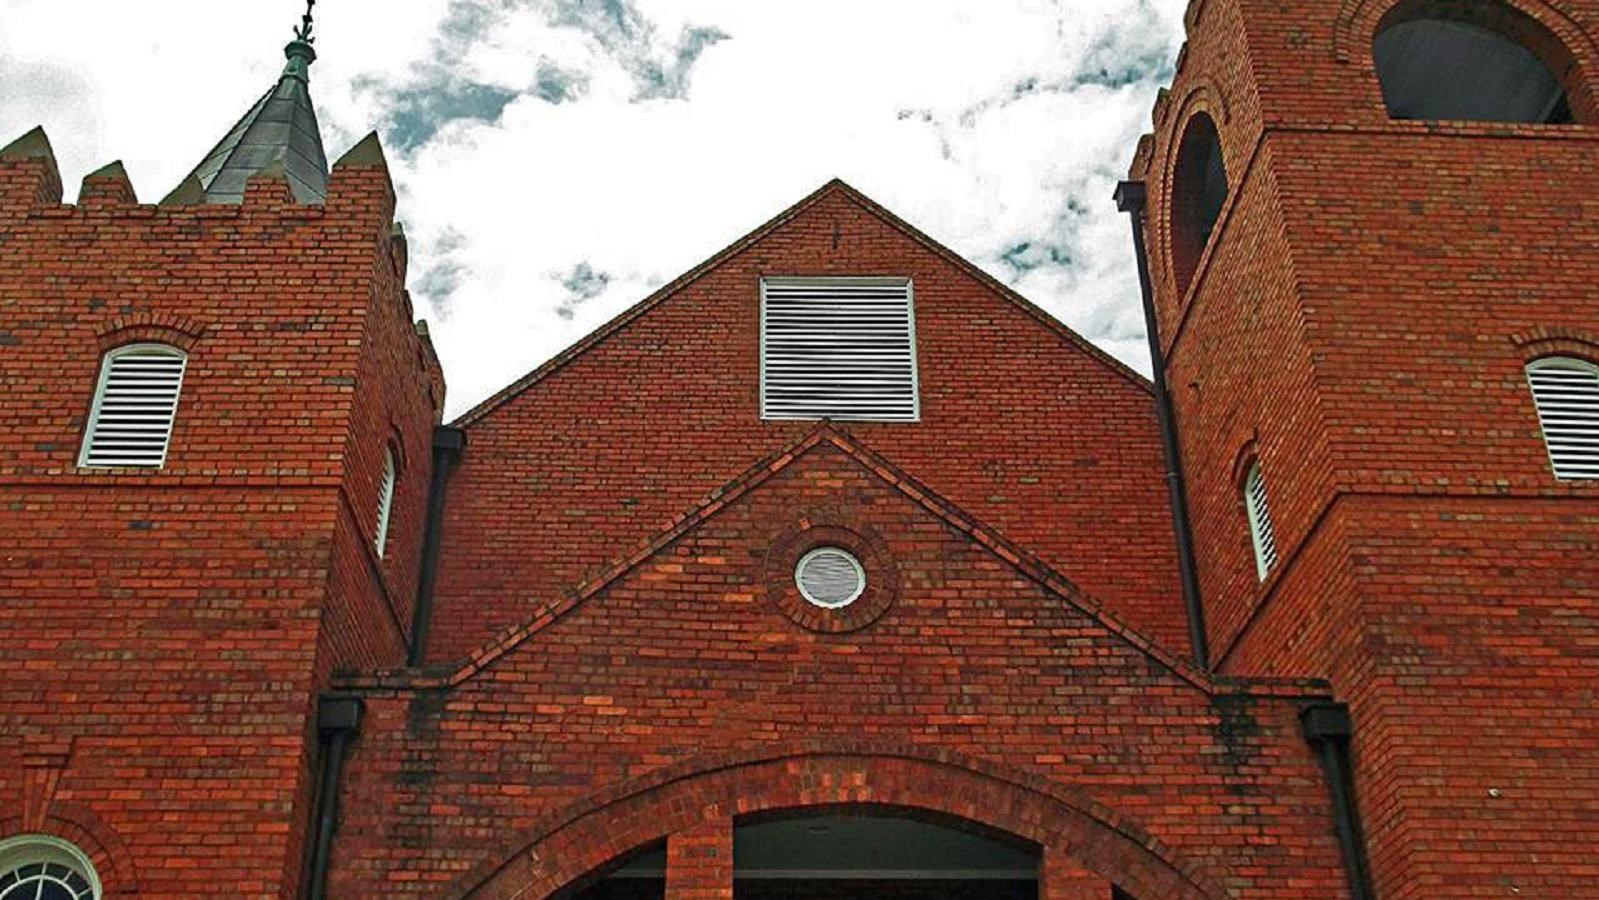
<point>679,689</point>
<point>166,632</point>
<point>619,659</point>
<point>1360,323</point>
<point>1023,424</point>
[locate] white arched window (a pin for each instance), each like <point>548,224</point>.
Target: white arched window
<point>1566,392</point>
<point>1261,533</point>
<point>385,499</point>
<point>38,867</point>
<point>135,403</point>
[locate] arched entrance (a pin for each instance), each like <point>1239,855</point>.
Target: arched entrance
<point>696,810</point>
<point>851,853</point>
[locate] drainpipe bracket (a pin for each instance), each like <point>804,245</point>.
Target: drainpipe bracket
<point>1325,722</point>
<point>449,440</point>
<point>1131,196</point>
<point>337,713</point>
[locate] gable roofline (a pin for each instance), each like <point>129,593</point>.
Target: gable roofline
<point>598,335</point>
<point>453,673</point>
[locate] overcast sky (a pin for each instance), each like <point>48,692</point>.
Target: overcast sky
<point>559,159</point>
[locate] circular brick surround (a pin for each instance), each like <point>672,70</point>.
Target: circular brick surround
<point>882,576</point>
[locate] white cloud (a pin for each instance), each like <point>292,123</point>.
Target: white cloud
<point>999,128</point>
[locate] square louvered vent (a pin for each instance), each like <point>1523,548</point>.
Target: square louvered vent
<point>838,348</point>
<point>131,421</point>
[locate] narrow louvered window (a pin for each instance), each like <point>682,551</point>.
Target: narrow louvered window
<point>1261,533</point>
<point>838,348</point>
<point>1566,392</point>
<point>385,500</point>
<point>130,423</point>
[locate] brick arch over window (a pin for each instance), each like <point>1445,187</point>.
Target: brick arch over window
<point>584,838</point>
<point>161,328</point>
<point>78,826</point>
<point>1549,29</point>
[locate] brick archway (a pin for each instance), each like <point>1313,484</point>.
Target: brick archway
<point>706,794</point>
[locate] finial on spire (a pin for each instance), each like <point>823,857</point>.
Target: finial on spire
<point>303,31</point>
<point>300,51</point>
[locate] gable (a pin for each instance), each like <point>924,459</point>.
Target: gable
<point>726,577</point>
<point>1019,422</point>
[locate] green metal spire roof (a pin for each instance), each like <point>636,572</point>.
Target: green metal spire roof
<point>280,128</point>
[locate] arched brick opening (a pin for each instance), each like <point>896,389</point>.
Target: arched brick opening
<point>78,826</point>
<point>1549,29</point>
<point>1477,29</point>
<point>1198,195</point>
<point>571,845</point>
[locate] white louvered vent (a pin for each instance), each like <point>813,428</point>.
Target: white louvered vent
<point>830,578</point>
<point>1566,392</point>
<point>385,500</point>
<point>1261,532</point>
<point>838,348</point>
<point>130,423</point>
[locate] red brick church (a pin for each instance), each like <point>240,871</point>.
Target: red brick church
<point>836,569</point>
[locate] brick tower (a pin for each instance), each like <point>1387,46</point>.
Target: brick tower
<point>216,408</point>
<point>1371,234</point>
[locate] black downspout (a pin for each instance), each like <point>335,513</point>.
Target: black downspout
<point>1130,198</point>
<point>337,720</point>
<point>448,443</point>
<point>1328,728</point>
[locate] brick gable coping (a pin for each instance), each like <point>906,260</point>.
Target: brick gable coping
<point>828,433</point>
<point>593,338</point>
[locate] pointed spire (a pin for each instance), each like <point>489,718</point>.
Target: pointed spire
<point>280,128</point>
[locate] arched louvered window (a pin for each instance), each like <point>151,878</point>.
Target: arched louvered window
<point>385,499</point>
<point>135,403</point>
<point>1566,392</point>
<point>1261,532</point>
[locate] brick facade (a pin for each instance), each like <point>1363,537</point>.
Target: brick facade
<point>167,631</point>
<point>1360,325</point>
<point>619,660</point>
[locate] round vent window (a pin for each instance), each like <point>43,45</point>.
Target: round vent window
<point>830,578</point>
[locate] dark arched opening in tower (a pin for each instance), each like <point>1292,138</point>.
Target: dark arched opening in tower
<point>1479,61</point>
<point>1199,190</point>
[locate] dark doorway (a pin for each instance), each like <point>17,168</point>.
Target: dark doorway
<point>855,855</point>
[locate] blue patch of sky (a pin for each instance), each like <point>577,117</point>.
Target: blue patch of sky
<point>582,284</point>
<point>441,94</point>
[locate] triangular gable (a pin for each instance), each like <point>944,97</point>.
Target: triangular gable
<point>1028,565</point>
<point>835,186</point>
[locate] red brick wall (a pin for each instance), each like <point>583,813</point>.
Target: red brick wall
<point>162,629</point>
<point>398,401</point>
<point>689,661</point>
<point>1035,436</point>
<point>1433,567</point>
